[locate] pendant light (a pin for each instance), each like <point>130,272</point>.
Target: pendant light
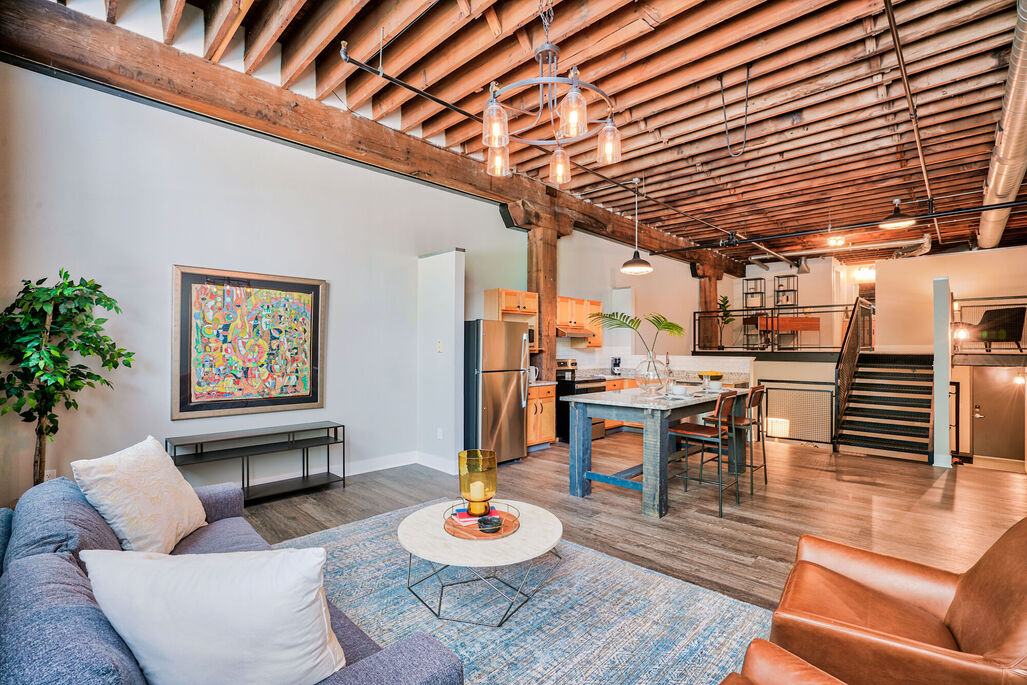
<point>608,147</point>
<point>498,162</point>
<point>494,130</point>
<point>636,266</point>
<point>896,220</point>
<point>573,111</point>
<point>560,167</point>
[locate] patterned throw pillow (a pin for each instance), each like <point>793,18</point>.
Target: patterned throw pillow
<point>142,496</point>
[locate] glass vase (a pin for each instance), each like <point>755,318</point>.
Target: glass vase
<point>478,480</point>
<point>652,376</point>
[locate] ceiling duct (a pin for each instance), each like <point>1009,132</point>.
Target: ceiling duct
<point>1009,158</point>
<point>920,248</point>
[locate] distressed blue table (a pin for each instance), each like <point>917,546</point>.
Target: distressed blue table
<point>656,416</point>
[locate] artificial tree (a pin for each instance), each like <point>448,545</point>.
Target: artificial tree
<point>45,336</point>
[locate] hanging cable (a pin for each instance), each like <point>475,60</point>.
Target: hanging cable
<point>745,121</point>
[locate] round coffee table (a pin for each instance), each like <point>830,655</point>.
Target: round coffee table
<point>422,535</point>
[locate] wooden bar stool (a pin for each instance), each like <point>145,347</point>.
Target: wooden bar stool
<point>752,423</point>
<point>716,434</point>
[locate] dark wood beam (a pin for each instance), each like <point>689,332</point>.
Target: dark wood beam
<point>708,331</point>
<point>47,33</point>
<point>316,31</point>
<point>221,18</point>
<point>542,280</point>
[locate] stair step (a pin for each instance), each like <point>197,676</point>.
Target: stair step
<point>895,376</point>
<point>907,430</point>
<point>925,361</point>
<point>883,444</point>
<point>891,414</point>
<point>893,388</point>
<point>891,400</point>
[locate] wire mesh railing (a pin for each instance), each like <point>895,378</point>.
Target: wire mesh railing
<point>983,325</point>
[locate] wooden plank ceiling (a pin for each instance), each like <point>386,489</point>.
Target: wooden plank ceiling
<point>828,137</point>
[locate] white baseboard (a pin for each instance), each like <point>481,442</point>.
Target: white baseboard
<point>438,462</point>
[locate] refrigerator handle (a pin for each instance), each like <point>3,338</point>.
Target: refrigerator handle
<point>524,371</point>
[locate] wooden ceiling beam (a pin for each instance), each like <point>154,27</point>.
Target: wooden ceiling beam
<point>363,39</point>
<point>221,18</point>
<point>834,67</point>
<point>503,53</point>
<point>449,56</point>
<point>626,27</point>
<point>315,33</point>
<point>65,40</point>
<point>441,24</point>
<point>273,17</point>
<point>795,98</point>
<point>170,16</point>
<point>111,10</point>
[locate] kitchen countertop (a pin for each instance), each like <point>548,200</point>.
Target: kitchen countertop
<point>532,384</point>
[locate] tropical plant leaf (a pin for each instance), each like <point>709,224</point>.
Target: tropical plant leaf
<point>663,325</point>
<point>616,320</point>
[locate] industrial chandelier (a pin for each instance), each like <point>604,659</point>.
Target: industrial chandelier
<point>568,117</point>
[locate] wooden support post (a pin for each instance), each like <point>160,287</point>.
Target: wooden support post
<point>542,280</point>
<point>708,332</point>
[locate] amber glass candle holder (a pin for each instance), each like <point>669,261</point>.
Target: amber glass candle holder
<point>478,480</point>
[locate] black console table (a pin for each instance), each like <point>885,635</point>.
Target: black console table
<point>189,450</point>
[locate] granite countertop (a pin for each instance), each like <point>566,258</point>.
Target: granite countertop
<point>635,398</point>
<point>533,384</point>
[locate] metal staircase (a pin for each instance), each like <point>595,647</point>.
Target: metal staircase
<point>887,411</point>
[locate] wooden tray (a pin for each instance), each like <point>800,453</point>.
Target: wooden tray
<point>509,526</point>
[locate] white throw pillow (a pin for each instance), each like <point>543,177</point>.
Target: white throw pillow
<point>142,496</point>
<point>239,617</point>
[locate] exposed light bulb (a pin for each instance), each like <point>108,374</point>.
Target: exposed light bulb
<point>498,162</point>
<point>608,147</point>
<point>961,334</point>
<point>836,241</point>
<point>495,131</point>
<point>573,114</point>
<point>560,167</point>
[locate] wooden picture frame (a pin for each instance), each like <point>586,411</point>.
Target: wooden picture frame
<point>217,372</point>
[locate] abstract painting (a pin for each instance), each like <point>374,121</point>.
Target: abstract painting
<point>245,343</point>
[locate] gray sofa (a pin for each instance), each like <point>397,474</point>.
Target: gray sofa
<point>52,630</point>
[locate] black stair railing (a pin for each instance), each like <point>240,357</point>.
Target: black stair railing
<point>858,336</point>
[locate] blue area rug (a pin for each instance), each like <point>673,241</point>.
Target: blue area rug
<point>597,620</point>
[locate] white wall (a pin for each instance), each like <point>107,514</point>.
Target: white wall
<point>588,267</point>
<point>440,356</point>
<point>905,297</point>
<point>119,191</point>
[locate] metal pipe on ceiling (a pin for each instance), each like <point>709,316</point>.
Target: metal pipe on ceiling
<point>897,45</point>
<point>1009,157</point>
<point>850,227</point>
<point>844,248</point>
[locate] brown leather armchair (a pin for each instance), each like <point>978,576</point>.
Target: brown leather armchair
<point>869,618</point>
<point>768,664</point>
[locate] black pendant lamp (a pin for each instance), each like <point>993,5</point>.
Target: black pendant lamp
<point>636,266</point>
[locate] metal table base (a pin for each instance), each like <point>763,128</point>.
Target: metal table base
<point>516,597</point>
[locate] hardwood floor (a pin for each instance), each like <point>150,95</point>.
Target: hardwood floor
<point>942,517</point>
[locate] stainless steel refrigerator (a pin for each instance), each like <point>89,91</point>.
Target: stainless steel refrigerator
<point>495,387</point>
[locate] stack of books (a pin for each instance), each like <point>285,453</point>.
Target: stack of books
<point>461,517</point>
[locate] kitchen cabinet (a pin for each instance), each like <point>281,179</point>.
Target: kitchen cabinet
<point>540,418</point>
<point>593,307</point>
<point>515,305</point>
<point>570,311</point>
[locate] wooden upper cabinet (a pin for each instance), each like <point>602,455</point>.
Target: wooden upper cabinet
<point>514,305</point>
<point>564,311</point>
<point>593,307</point>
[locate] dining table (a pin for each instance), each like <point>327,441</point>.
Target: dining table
<point>656,414</point>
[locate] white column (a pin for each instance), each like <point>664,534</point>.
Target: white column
<point>942,373</point>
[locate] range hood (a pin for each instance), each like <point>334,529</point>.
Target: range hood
<point>573,332</point>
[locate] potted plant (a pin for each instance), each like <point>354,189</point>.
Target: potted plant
<point>652,374</point>
<point>724,318</point>
<point>45,336</point>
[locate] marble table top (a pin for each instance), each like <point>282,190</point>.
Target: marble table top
<point>421,533</point>
<point>633,397</point>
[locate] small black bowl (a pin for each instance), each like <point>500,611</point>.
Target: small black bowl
<point>490,524</point>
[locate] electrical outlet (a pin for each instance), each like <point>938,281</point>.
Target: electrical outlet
<point>49,474</point>
<point>438,346</point>
<point>438,433</point>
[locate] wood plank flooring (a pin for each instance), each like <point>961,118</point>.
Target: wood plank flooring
<point>942,517</point>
